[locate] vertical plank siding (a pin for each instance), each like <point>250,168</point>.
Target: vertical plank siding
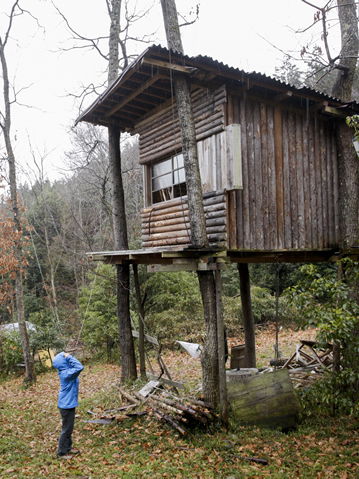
<point>290,180</point>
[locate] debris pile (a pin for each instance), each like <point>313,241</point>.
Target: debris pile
<point>157,402</point>
<point>308,362</point>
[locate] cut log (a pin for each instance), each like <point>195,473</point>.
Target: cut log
<point>127,395</point>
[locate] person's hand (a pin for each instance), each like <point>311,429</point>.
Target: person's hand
<point>67,354</point>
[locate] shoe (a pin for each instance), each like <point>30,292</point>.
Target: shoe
<point>65,457</point>
<point>73,451</point>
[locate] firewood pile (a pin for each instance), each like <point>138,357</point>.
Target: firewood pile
<point>178,413</point>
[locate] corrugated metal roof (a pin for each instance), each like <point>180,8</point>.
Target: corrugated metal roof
<point>125,107</point>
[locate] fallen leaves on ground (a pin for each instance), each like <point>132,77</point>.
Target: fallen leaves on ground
<point>143,448</point>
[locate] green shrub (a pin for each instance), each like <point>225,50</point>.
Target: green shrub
<point>174,308</point>
<point>263,307</point>
<point>331,305</point>
<point>10,351</point>
<point>97,308</point>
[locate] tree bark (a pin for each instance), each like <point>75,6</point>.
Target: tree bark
<point>348,160</point>
<point>348,21</point>
<point>210,368</point>
<point>141,327</point>
<point>248,321</point>
<point>128,360</point>
<point>348,171</point>
<point>30,375</point>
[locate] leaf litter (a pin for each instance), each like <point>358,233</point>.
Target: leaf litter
<point>142,447</point>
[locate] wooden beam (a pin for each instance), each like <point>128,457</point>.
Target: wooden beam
<point>318,106</point>
<point>174,384</point>
<point>133,95</point>
<point>334,111</point>
<point>283,96</point>
<point>170,66</point>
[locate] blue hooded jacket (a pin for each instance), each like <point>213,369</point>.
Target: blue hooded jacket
<point>69,369</point>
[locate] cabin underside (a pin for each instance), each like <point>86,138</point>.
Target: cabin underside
<point>186,258</point>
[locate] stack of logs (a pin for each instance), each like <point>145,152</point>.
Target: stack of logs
<point>174,412</point>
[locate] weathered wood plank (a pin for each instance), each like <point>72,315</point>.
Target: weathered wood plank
<point>286,184</point>
<point>336,190</point>
<point>175,384</point>
<point>306,186</point>
<point>293,180</point>
<point>330,176</point>
<point>258,175</point>
<point>318,181</point>
<point>231,220</point>
<point>251,173</point>
<point>313,187</point>
<point>278,142</point>
<point>245,203</point>
<point>300,179</point>
<point>267,400</point>
<point>265,173</point>
<point>272,181</point>
<point>324,181</point>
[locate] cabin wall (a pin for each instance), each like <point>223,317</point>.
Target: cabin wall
<point>160,134</point>
<point>290,194</point>
<point>167,223</point>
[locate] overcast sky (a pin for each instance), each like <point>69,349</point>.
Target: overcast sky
<point>240,33</point>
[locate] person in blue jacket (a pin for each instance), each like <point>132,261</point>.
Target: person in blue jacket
<point>69,369</point>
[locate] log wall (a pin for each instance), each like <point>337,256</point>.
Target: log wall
<point>167,223</point>
<point>290,193</point>
<point>160,135</point>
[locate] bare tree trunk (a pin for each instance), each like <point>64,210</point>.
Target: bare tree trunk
<point>248,321</point>
<point>348,170</point>
<point>29,363</point>
<point>210,369</point>
<point>128,360</point>
<point>348,20</point>
<point>348,160</point>
<point>141,326</point>
<point>52,271</point>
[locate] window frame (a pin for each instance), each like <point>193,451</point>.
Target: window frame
<point>172,189</point>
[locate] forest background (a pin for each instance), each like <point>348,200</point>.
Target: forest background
<point>71,215</point>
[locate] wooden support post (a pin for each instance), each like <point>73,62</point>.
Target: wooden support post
<point>248,322</point>
<point>221,350</point>
<point>141,337</point>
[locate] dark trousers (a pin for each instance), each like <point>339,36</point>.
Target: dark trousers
<point>68,421</point>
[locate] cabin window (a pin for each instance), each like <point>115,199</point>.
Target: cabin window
<point>168,179</point>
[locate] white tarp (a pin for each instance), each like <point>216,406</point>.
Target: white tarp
<point>194,349</point>
<point>11,327</point>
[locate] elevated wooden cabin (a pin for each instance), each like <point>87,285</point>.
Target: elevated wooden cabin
<point>267,154</point>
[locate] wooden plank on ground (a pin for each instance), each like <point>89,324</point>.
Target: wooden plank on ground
<point>169,382</point>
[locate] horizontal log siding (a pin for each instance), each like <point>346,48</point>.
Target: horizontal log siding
<point>161,136</point>
<point>290,180</point>
<point>168,223</point>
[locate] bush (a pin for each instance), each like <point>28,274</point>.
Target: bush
<point>174,308</point>
<point>331,305</point>
<point>10,351</point>
<point>97,308</point>
<point>263,307</point>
